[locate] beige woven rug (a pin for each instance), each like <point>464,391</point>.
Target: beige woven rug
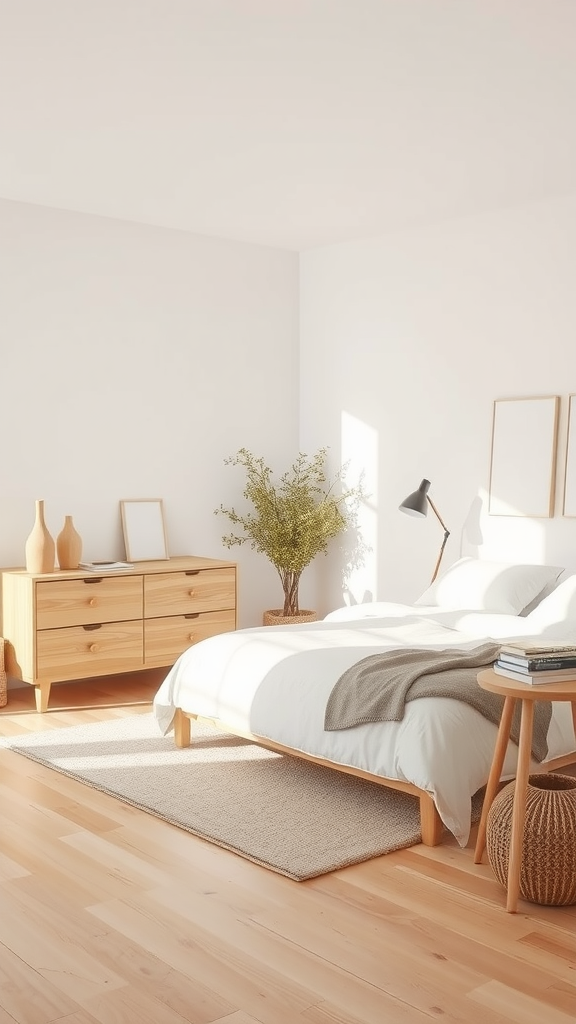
<point>294,817</point>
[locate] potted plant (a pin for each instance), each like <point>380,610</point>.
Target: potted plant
<point>292,519</point>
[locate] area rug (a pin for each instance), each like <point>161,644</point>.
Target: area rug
<point>294,817</point>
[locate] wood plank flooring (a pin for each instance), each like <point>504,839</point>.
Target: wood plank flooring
<point>109,915</point>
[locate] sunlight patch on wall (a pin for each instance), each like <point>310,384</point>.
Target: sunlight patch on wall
<point>359,446</point>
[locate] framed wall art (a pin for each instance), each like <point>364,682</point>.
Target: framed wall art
<point>569,505</point>
<point>523,456</point>
<point>144,529</point>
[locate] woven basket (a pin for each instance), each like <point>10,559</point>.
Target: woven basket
<point>274,617</point>
<point>3,677</point>
<point>548,873</point>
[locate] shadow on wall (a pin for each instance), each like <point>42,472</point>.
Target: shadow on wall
<point>354,549</point>
<point>471,536</point>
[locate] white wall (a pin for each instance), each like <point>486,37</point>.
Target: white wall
<point>133,361</point>
<point>416,334</point>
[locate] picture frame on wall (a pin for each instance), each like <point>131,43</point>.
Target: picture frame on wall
<point>523,456</point>
<point>569,500</point>
<point>144,529</point>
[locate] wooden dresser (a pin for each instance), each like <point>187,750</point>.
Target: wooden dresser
<point>78,625</point>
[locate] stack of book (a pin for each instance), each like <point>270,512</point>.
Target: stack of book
<point>534,662</point>
<point>102,567</point>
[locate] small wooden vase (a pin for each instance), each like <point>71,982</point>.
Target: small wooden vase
<point>68,545</point>
<point>40,548</point>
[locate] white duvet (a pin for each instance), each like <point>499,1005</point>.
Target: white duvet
<point>275,681</point>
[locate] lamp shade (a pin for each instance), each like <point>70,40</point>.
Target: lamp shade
<point>416,504</point>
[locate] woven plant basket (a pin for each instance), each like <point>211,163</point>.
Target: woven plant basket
<point>274,617</point>
<point>3,677</point>
<point>548,873</point>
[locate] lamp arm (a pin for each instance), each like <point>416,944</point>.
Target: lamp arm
<point>445,538</point>
<point>438,516</point>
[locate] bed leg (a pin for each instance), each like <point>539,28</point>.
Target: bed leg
<point>181,729</point>
<point>431,823</point>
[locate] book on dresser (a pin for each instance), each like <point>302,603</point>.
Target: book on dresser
<point>105,566</point>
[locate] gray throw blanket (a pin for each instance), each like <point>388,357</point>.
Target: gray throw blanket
<point>377,688</point>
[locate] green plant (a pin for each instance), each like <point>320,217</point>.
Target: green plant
<point>293,518</point>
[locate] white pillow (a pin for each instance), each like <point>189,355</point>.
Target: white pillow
<point>475,585</point>
<point>557,609</point>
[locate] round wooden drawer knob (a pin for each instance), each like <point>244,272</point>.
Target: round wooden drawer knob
<point>93,648</point>
<point>190,593</point>
<point>191,638</point>
<point>92,602</point>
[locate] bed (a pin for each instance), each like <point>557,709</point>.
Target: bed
<point>272,684</point>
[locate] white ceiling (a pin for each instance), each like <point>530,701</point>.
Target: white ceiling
<point>292,123</point>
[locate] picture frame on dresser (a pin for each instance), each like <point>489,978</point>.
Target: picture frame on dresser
<point>144,529</point>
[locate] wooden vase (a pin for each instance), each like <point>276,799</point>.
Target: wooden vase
<point>40,548</point>
<point>68,545</point>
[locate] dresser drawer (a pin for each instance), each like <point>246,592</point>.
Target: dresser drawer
<point>165,639</point>
<point>176,593</point>
<point>93,599</point>
<point>78,652</point>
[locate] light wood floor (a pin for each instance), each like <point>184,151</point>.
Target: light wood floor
<point>108,914</point>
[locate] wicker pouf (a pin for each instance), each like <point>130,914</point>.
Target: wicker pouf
<point>548,873</point>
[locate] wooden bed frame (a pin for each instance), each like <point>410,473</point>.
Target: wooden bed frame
<point>431,824</point>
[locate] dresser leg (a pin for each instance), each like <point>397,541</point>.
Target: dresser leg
<point>42,695</point>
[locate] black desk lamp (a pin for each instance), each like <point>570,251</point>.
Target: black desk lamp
<point>416,504</point>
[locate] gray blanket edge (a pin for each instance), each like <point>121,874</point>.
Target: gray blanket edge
<point>378,687</point>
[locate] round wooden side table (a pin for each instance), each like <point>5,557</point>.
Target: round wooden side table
<point>528,694</point>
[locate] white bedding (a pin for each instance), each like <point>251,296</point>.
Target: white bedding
<point>475,623</point>
<point>275,682</point>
